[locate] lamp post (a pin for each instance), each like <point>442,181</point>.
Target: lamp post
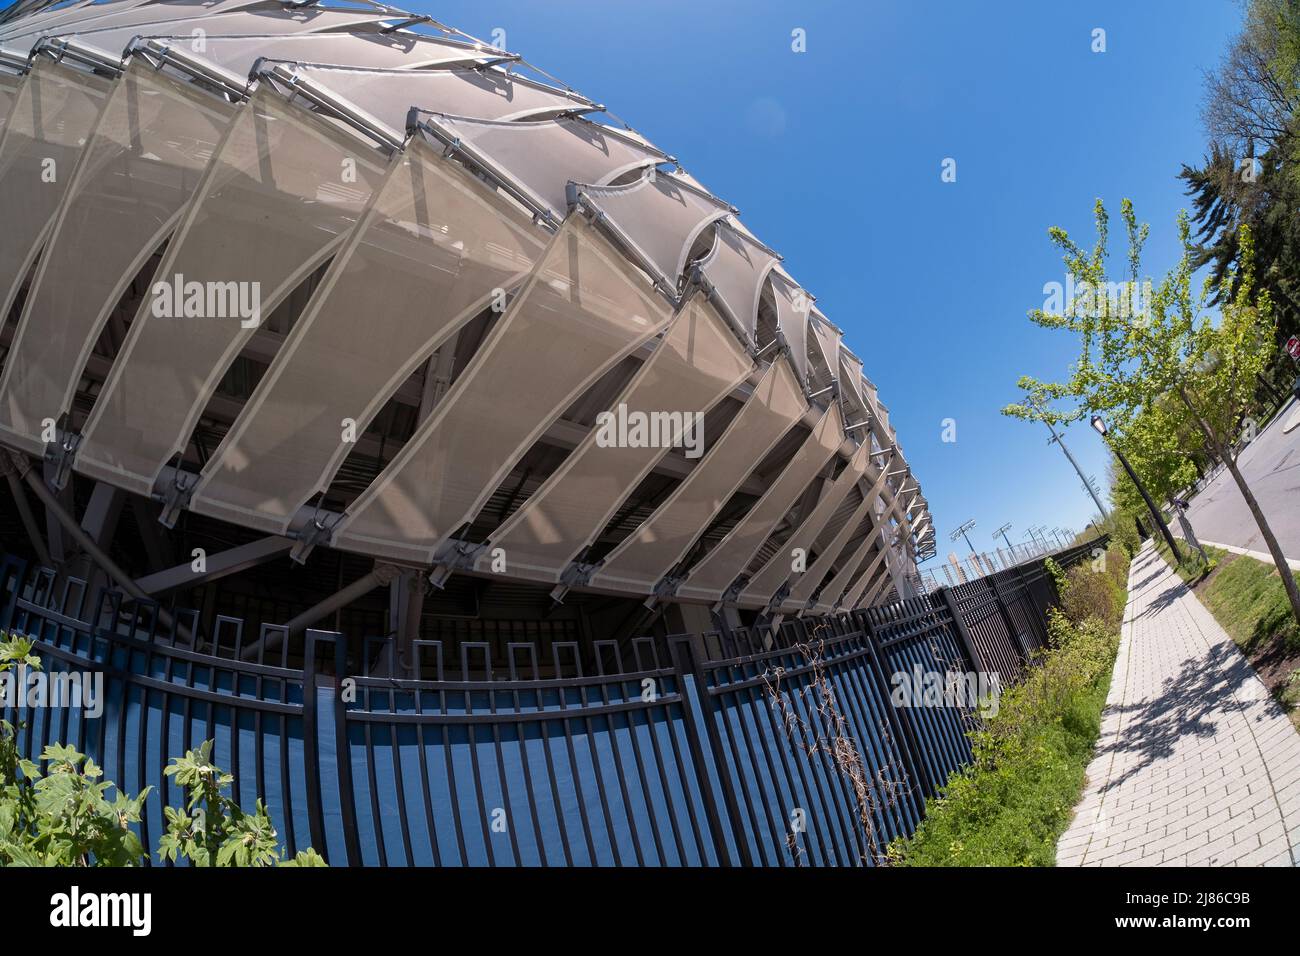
<point>1100,427</point>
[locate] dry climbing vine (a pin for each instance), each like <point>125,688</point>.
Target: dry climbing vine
<point>873,794</point>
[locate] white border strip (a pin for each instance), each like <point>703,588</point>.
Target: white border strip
<point>1257,555</point>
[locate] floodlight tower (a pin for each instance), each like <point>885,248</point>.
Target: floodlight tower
<point>961,533</point>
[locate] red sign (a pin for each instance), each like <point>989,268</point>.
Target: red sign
<point>1293,347</point>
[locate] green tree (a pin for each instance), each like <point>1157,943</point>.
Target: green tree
<point>1251,174</point>
<point>1252,97</point>
<point>1162,444</point>
<point>1223,201</point>
<point>1139,351</point>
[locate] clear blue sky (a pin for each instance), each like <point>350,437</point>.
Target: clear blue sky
<point>833,157</point>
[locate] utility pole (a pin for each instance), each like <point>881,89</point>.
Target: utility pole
<point>1079,471</point>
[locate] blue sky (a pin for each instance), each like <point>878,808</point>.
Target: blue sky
<point>834,156</point>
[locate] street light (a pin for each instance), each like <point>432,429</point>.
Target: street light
<point>1099,425</point>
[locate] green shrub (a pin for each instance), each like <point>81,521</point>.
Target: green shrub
<point>63,816</point>
<point>1089,594</point>
<point>1123,532</point>
<point>212,830</point>
<point>1010,805</point>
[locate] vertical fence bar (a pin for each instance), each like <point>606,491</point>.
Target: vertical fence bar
<point>959,624</point>
<point>694,671</point>
<point>902,725</point>
<point>1013,631</point>
<point>343,751</point>
<point>311,748</point>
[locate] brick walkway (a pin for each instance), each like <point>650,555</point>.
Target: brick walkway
<point>1196,765</point>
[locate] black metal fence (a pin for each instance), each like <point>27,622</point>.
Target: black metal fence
<point>765,746</point>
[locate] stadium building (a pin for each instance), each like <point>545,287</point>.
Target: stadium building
<point>379,322</point>
<point>342,348</point>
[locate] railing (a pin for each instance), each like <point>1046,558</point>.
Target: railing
<point>764,746</point>
<point>974,566</point>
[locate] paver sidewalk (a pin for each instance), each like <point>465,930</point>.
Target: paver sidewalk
<point>1196,765</point>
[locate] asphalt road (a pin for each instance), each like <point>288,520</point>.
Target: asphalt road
<point>1271,464</point>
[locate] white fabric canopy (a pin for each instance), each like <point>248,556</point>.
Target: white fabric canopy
<point>721,566</point>
<point>853,597</point>
<point>482,94</point>
<point>869,394</point>
<point>363,47</point>
<point>142,166</point>
<point>53,115</point>
<point>698,362</point>
<point>659,217</point>
<point>792,321</point>
<point>438,245</point>
<point>284,190</point>
<point>544,157</point>
<point>851,376</point>
<point>831,543</point>
<point>759,589</point>
<point>737,267</point>
<point>96,15</point>
<point>8,92</point>
<point>649,552</point>
<point>65,14</point>
<point>826,340</point>
<point>836,587</point>
<point>126,22</point>
<point>242,31</point>
<point>584,309</point>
